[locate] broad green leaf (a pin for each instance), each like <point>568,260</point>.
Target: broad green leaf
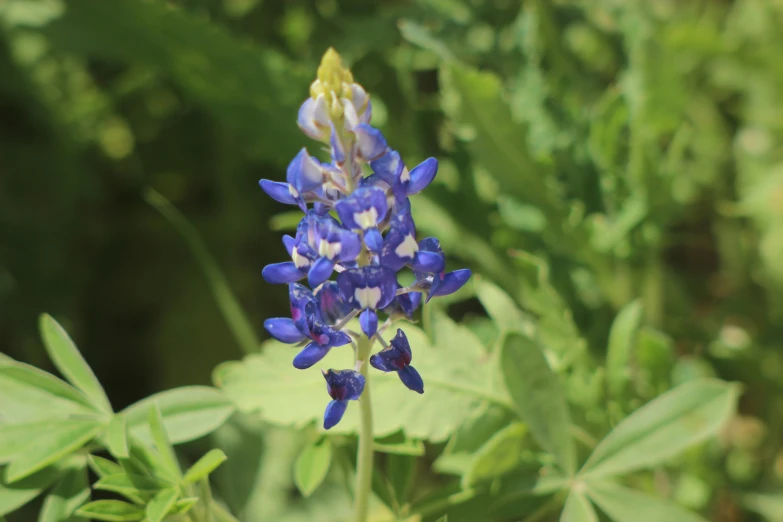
<point>117,437</point>
<point>622,338</point>
<point>103,467</point>
<point>627,505</point>
<point>13,496</point>
<point>66,357</point>
<point>664,427</point>
<point>539,397</point>
<point>578,509</point>
<point>312,465</point>
<point>457,377</point>
<point>111,511</point>
<point>204,466</point>
<point>770,506</point>
<point>16,437</point>
<point>500,455</point>
<point>188,413</point>
<point>232,312</point>
<point>131,485</point>
<point>29,394</point>
<point>502,308</point>
<point>161,504</point>
<point>72,491</point>
<point>161,439</point>
<point>61,438</point>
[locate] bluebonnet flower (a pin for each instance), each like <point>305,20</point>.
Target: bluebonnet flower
<point>373,240</point>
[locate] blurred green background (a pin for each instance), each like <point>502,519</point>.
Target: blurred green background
<point>635,147</point>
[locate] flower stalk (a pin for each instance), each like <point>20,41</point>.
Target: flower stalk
<point>364,457</point>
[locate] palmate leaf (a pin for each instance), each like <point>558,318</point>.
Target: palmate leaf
<point>13,496</point>
<point>627,505</point>
<point>578,509</point>
<point>457,375</point>
<point>72,491</point>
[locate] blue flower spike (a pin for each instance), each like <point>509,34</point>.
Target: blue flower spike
<point>397,358</point>
<point>373,239</point>
<point>342,386</point>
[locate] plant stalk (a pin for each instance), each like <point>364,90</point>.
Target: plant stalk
<point>364,457</point>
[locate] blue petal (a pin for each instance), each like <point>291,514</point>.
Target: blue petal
<point>284,330</point>
<point>310,354</point>
<point>409,302</point>
<point>304,173</point>
<point>338,338</point>
<point>400,342</point>
<point>343,385</point>
<point>334,413</point>
<point>370,142</point>
<point>422,175</point>
<point>278,191</point>
<point>313,116</point>
<point>363,200</point>
<point>382,363</point>
<point>332,304</point>
<point>374,240</point>
<point>449,283</point>
<point>355,282</point>
<point>411,378</point>
<point>369,322</point>
<point>428,262</point>
<point>320,271</point>
<point>290,244</point>
<point>338,151</point>
<point>388,167</point>
<point>280,273</point>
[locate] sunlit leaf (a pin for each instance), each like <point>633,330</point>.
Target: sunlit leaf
<point>204,466</point>
<point>103,467</point>
<point>64,354</point>
<point>117,437</point>
<point>167,457</point>
<point>72,491</point>
<point>500,455</point>
<point>539,397</point>
<point>161,504</point>
<point>626,505</point>
<point>666,426</point>
<point>312,465</point>
<point>13,496</point>
<point>188,413</point>
<point>111,511</point>
<point>578,509</point>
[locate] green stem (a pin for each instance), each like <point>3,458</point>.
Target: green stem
<point>364,458</point>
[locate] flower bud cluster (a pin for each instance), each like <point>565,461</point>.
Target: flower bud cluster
<point>357,223</point>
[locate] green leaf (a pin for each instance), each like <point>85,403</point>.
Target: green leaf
<point>111,511</point>
<point>770,506</point>
<point>502,308</point>
<point>66,357</point>
<point>455,385</point>
<point>539,397</point>
<point>627,505</point>
<point>131,485</point>
<point>168,458</point>
<point>664,427</point>
<point>28,394</point>
<point>72,491</point>
<point>409,447</point>
<point>578,509</point>
<point>161,504</point>
<point>103,467</point>
<point>312,465</point>
<point>13,496</point>
<point>188,413</point>
<point>444,518</point>
<point>500,455</point>
<point>184,505</point>
<point>622,338</point>
<point>204,466</point>
<point>232,312</point>
<point>59,439</point>
<point>474,100</point>
<point>117,437</point>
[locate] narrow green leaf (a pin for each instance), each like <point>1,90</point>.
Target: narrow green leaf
<point>161,504</point>
<point>539,397</point>
<point>13,496</point>
<point>162,443</point>
<point>111,511</point>
<point>664,427</point>
<point>72,491</point>
<point>130,484</point>
<point>578,509</point>
<point>627,505</point>
<point>66,357</point>
<point>184,505</point>
<point>204,466</point>
<point>118,437</point>
<point>188,413</point>
<point>500,455</point>
<point>444,518</point>
<point>29,394</point>
<point>103,467</point>
<point>409,447</point>
<point>58,440</point>
<point>232,312</point>
<point>312,465</point>
<point>622,338</point>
